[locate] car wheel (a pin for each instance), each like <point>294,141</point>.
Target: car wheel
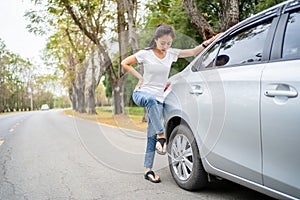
<point>184,159</point>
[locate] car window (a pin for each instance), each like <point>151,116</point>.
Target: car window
<point>207,59</point>
<point>244,47</point>
<point>291,44</point>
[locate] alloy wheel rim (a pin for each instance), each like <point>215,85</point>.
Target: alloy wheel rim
<point>182,157</point>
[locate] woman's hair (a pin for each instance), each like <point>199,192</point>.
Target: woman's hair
<point>161,30</point>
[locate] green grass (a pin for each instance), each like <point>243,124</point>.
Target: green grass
<point>131,111</point>
<point>137,111</point>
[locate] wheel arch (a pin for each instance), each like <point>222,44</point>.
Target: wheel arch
<point>172,123</point>
<point>177,120</point>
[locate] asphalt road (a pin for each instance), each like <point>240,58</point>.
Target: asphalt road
<point>48,155</point>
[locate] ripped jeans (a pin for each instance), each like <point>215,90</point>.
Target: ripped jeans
<point>154,109</point>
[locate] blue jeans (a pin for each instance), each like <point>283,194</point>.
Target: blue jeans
<point>154,109</point>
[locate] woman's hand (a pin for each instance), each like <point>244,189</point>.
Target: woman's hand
<point>195,51</point>
<point>126,64</point>
<point>139,84</point>
<point>210,40</point>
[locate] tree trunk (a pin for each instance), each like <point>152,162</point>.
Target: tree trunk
<point>198,20</point>
<point>230,15</point>
<point>106,66</point>
<point>117,92</point>
<point>80,98</point>
<point>130,6</point>
<point>92,88</point>
<point>80,87</point>
<point>91,100</point>
<point>72,97</point>
<point>118,89</point>
<point>118,96</point>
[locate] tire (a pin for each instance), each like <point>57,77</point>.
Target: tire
<point>184,160</point>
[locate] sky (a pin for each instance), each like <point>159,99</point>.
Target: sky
<point>14,33</point>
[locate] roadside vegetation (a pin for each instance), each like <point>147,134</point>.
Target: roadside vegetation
<point>105,115</point>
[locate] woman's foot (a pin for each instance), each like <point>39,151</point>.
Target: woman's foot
<point>150,176</point>
<point>161,144</point>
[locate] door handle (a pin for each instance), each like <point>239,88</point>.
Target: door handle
<point>196,89</point>
<point>285,93</point>
<point>197,92</point>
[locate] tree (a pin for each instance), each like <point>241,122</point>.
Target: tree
<point>222,14</point>
<point>264,4</point>
<point>93,85</point>
<point>131,7</point>
<point>80,61</point>
<point>230,14</point>
<point>90,17</point>
<point>21,87</point>
<point>123,53</point>
<point>72,50</point>
<point>198,20</point>
<point>15,78</point>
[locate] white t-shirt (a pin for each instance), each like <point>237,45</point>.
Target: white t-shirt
<point>156,70</point>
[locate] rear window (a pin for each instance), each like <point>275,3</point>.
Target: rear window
<point>291,44</point>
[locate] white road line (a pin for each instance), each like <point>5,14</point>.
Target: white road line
<point>11,130</point>
<point>1,142</point>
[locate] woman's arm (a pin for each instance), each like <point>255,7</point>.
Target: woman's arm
<point>195,51</point>
<point>126,64</point>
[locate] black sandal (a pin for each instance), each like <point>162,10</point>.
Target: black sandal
<point>162,142</point>
<point>149,178</point>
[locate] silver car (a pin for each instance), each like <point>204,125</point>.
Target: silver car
<point>234,112</point>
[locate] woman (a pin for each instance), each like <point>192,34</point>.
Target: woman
<point>157,60</point>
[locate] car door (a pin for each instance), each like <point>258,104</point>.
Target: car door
<point>280,109</point>
<point>231,84</point>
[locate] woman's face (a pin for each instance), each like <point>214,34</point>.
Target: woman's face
<point>164,42</point>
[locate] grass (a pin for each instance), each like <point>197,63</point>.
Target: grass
<point>132,119</point>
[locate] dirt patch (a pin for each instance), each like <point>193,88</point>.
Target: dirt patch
<point>132,123</point>
<point>122,120</point>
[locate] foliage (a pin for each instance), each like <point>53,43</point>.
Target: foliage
<point>264,4</point>
<point>108,91</point>
<point>101,99</point>
<point>172,12</point>
<point>21,88</point>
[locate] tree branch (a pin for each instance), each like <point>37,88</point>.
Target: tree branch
<point>198,20</point>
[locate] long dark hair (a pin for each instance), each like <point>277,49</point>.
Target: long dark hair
<point>161,30</point>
